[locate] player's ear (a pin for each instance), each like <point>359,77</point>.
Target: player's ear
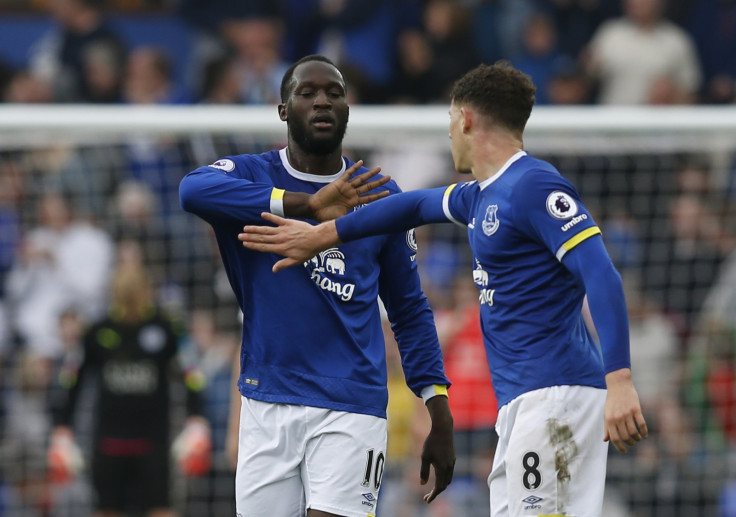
<point>467,121</point>
<point>282,112</point>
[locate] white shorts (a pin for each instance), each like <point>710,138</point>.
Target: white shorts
<point>292,458</point>
<point>551,457</point>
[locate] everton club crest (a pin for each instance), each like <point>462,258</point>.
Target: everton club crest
<point>490,220</point>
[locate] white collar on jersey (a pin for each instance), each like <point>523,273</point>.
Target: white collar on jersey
<point>316,178</point>
<point>506,165</point>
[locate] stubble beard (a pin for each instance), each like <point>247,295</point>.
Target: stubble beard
<point>301,135</point>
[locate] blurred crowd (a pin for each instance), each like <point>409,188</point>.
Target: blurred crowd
<point>70,213</point>
<point>392,51</point>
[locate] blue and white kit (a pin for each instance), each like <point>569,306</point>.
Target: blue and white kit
<point>312,335</point>
<point>523,224</point>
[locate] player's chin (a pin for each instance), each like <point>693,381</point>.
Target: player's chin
<point>324,143</point>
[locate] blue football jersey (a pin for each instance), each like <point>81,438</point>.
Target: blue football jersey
<point>521,222</point>
<point>312,335</point>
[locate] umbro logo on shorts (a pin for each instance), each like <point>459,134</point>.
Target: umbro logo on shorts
<point>532,499</point>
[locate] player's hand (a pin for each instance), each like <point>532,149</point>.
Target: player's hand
<point>64,457</point>
<point>439,448</point>
<point>348,191</point>
<point>624,421</point>
<point>192,449</point>
<point>296,240</point>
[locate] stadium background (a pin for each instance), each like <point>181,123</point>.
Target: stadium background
<point>660,180</point>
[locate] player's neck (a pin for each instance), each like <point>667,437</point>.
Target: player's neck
<point>491,153</point>
<point>320,164</point>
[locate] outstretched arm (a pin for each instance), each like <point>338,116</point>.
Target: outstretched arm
<point>299,241</point>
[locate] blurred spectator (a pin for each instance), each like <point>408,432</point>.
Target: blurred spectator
<point>539,57</point>
<point>149,78</point>
<point>498,26</point>
<point>221,83</point>
<point>302,29</point>
<point>132,355</point>
<point>258,63</point>
<point>577,21</point>
<point>213,495</point>
<point>24,88</point>
<point>641,58</point>
<point>10,237</point>
<point>104,65</point>
<point>568,84</point>
<point>623,240</point>
<point>431,59</point>
<point>11,189</point>
<point>681,267</point>
<point>135,218</point>
<point>361,38</point>
<point>206,18</point>
<point>64,262</point>
<point>23,436</point>
<point>6,74</point>
<point>59,58</point>
<point>712,24</point>
<point>654,345</point>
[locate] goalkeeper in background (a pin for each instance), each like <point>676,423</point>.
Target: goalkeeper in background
<point>133,354</point>
<point>537,253</point>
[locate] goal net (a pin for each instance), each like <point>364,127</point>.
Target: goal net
<point>661,182</point>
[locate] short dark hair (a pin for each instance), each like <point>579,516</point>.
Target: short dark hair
<point>500,92</point>
<point>289,74</point>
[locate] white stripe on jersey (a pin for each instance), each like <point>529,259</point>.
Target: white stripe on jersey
<point>446,205</point>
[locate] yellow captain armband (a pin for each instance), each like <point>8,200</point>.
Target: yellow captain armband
<point>433,391</point>
<point>277,201</point>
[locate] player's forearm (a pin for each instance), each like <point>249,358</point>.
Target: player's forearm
<point>608,309</point>
<point>618,377</point>
<point>439,412</point>
<point>219,198</point>
<point>299,205</point>
<point>399,212</point>
<point>590,263</point>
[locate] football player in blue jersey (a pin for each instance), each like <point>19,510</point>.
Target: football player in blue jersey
<point>312,435</point>
<point>537,254</point>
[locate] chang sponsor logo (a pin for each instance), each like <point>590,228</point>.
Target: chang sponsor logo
<point>480,278</point>
<point>572,222</point>
<point>330,262</point>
